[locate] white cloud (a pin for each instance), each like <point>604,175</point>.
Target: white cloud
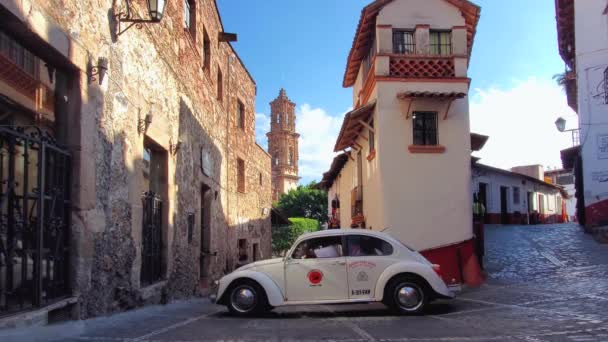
<point>262,126</point>
<point>520,123</point>
<point>318,132</point>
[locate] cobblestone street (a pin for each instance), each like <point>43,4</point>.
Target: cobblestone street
<point>546,283</point>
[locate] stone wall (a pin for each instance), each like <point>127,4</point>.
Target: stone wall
<point>156,70</point>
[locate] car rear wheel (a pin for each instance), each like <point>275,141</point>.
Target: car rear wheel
<point>406,295</point>
<point>247,298</point>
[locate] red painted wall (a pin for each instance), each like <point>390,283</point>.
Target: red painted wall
<point>455,261</point>
<point>597,214</point>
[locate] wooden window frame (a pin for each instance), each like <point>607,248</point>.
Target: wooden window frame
<point>400,46</point>
<point>427,140</point>
<point>442,49</point>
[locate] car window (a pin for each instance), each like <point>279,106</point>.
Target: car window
<point>324,247</point>
<point>361,245</point>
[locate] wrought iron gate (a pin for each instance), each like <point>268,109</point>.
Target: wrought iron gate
<point>34,219</point>
<point>151,265</point>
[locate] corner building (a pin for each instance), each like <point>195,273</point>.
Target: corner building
<point>406,162</point>
<point>139,178</point>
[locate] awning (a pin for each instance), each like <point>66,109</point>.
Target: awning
<point>430,95</point>
<point>415,95</point>
<point>354,122</point>
<point>478,141</point>
<point>336,167</point>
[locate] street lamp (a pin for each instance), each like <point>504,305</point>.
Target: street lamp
<point>156,10</point>
<point>560,123</point>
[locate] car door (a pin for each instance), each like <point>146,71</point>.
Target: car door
<point>316,271</point>
<point>367,257</point>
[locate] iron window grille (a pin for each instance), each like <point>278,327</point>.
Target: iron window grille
<point>404,42</point>
<point>425,128</point>
<point>151,265</point>
<point>34,219</point>
<point>441,43</point>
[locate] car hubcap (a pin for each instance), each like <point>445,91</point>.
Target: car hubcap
<point>243,299</point>
<point>409,297</point>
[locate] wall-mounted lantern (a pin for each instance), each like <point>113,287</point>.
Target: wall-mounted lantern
<point>144,123</point>
<point>156,10</point>
<point>174,146</point>
<point>98,70</point>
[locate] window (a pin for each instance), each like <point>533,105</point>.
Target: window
<point>441,43</point>
<point>290,156</point>
<point>220,85</point>
<point>278,118</point>
<point>241,115</point>
<point>17,54</point>
<point>565,179</point>
<point>425,128</point>
<point>260,179</point>
<point>371,137</point>
<point>516,196</point>
<point>276,158</point>
<point>240,175</point>
<point>361,245</point>
<point>286,120</point>
<point>243,250</point>
<point>206,51</point>
<point>403,42</point>
<point>190,17</point>
<point>256,251</point>
<point>325,247</point>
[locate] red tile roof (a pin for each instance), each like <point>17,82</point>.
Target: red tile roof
<point>430,94</point>
<point>351,126</point>
<point>367,26</point>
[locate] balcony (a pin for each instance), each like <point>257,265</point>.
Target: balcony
<point>571,87</point>
<point>357,205</point>
<point>26,84</point>
<point>411,66</point>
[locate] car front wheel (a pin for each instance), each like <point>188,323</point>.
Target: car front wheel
<point>406,295</point>
<point>247,298</point>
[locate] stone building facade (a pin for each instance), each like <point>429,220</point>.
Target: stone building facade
<point>168,189</point>
<point>283,145</point>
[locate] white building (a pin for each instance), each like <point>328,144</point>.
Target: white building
<point>511,197</point>
<point>409,132</point>
<point>583,44</point>
<point>565,179</point>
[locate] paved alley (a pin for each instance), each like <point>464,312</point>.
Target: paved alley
<point>546,283</point>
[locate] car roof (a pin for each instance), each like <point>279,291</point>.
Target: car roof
<point>334,232</point>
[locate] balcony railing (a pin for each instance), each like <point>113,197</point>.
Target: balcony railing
<point>26,84</point>
<point>357,202</point>
<point>411,66</point>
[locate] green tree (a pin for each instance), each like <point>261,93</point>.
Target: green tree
<point>284,236</point>
<point>305,201</point>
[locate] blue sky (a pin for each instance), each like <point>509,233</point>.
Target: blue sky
<point>302,46</point>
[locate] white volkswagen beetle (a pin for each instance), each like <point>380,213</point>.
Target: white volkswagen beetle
<point>335,267</point>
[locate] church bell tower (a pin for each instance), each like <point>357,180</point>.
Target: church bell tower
<point>283,145</point>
